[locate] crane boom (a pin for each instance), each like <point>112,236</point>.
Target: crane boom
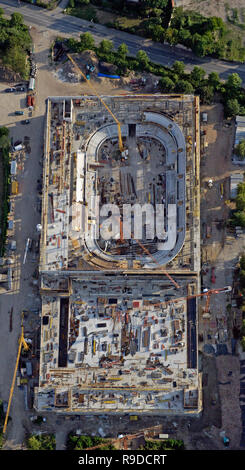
<point>23,343</point>
<point>102,101</point>
<point>155,261</point>
<point>207,294</point>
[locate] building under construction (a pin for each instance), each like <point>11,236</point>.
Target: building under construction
<point>119,314</point>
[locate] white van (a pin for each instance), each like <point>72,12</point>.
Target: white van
<point>18,147</point>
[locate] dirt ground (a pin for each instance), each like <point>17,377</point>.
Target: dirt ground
<point>65,72</point>
<point>210,8</point>
<point>216,165</point>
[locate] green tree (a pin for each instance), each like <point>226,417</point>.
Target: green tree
<point>122,51</point>
<point>243,321</point>
<point>178,67</point>
<point>86,42</point>
<point>73,44</point>
<point>232,107</point>
<point>16,19</point>
<point>234,81</point>
<point>239,218</point>
<point>84,442</point>
<point>155,3</point>
<point>240,197</point>
<point>214,80</point>
<point>214,23</point>
<point>243,343</point>
<point>172,36</point>
<point>242,266</point>
<point>15,58</point>
<point>204,44</point>
<point>185,36</point>
<point>166,84</point>
<point>106,47</point>
<point>33,443</point>
<point>240,152</point>
<point>143,59</point>
<point>41,442</point>
<point>197,76</point>
<point>156,32</point>
<point>206,93</point>
<point>4,131</point>
<point>183,86</point>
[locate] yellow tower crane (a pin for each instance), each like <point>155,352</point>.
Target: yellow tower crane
<point>23,343</point>
<point>102,101</point>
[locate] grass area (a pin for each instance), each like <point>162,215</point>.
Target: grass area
<point>87,13</point>
<point>235,16</point>
<point>49,4</point>
<point>107,18</point>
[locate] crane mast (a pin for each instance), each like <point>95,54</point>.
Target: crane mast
<point>101,100</point>
<point>22,343</point>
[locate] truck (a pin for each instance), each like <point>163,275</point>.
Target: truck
<point>28,100</point>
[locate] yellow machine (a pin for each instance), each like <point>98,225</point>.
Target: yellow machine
<point>102,101</point>
<point>22,343</point>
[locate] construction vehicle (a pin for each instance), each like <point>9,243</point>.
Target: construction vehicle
<point>101,100</point>
<point>22,343</point>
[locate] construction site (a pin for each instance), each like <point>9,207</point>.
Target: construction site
<point>119,321</point>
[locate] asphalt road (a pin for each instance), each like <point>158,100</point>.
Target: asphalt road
<point>60,24</point>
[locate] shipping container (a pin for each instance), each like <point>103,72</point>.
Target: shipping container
<point>31,84</point>
<point>28,100</point>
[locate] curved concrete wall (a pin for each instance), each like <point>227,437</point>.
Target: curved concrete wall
<point>159,127</point>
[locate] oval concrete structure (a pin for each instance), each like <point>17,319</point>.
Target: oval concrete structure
<point>153,126</point>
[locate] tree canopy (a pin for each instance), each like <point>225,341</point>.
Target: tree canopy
<point>86,42</point>
<point>240,152</point>
<point>15,42</point>
<point>41,442</point>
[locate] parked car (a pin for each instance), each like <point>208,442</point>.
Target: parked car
<point>26,121</point>
<point>18,142</point>
<point>20,88</point>
<point>9,90</point>
<point>19,113</point>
